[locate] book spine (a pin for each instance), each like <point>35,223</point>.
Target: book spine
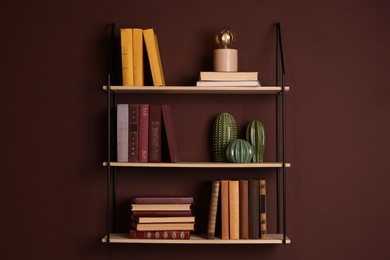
<point>133,132</point>
<point>263,211</point>
<point>170,133</point>
<point>213,210</point>
<point>234,209</point>
<point>138,57</point>
<point>122,132</point>
<point>162,213</point>
<point>127,56</point>
<point>155,133</point>
<point>143,132</point>
<point>244,210</point>
<point>254,209</point>
<point>171,234</point>
<point>154,56</point>
<point>225,208</point>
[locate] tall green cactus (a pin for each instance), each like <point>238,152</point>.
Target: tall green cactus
<point>255,135</point>
<point>224,132</point>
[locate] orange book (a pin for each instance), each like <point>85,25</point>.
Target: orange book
<point>225,208</point>
<point>234,209</point>
<point>154,57</point>
<point>127,57</point>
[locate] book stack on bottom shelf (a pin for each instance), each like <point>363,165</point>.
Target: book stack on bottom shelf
<point>162,218</point>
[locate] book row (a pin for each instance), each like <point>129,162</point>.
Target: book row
<point>132,55</point>
<point>243,209</point>
<point>143,132</point>
<point>161,217</point>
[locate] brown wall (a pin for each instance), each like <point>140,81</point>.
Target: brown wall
<point>53,64</point>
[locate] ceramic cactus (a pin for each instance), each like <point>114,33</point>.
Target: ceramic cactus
<point>255,135</point>
<point>224,132</point>
<point>239,151</point>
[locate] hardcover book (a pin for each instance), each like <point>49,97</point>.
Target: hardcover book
<point>170,133</point>
<point>234,209</point>
<point>167,234</point>
<point>162,213</point>
<point>138,57</point>
<point>227,76</point>
<point>213,210</point>
<point>225,209</point>
<point>162,226</point>
<point>244,210</point>
<point>163,219</point>
<point>155,133</point>
<point>133,132</point>
<point>162,200</point>
<point>154,56</point>
<point>254,209</point>
<point>175,207</point>
<point>122,129</point>
<point>143,146</point>
<point>263,211</point>
<point>127,56</point>
<point>248,83</point>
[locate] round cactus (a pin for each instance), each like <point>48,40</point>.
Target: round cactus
<point>225,131</point>
<point>255,135</point>
<point>239,151</point>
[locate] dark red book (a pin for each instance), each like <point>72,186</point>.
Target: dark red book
<point>162,200</point>
<point>170,133</point>
<point>155,133</point>
<point>133,132</point>
<point>254,208</point>
<point>162,213</point>
<point>169,234</point>
<point>143,133</point>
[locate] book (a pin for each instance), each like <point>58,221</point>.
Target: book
<point>138,219</point>
<point>247,83</point>
<point>162,213</point>
<point>138,57</point>
<point>167,234</point>
<point>263,211</point>
<point>224,209</point>
<point>127,56</point>
<point>154,133</point>
<point>170,133</point>
<point>234,209</point>
<point>227,76</point>
<point>136,207</point>
<point>122,132</point>
<point>162,226</point>
<point>162,200</point>
<point>254,208</point>
<point>133,132</point>
<point>154,56</point>
<point>143,146</point>
<point>244,210</point>
<point>213,210</point>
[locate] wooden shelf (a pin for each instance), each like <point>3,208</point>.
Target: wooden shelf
<point>195,239</point>
<point>196,90</point>
<point>199,165</point>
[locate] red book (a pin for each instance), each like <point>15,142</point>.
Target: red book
<point>170,133</point>
<point>133,132</point>
<point>169,234</point>
<point>155,133</point>
<point>143,133</point>
<point>244,210</point>
<point>162,213</point>
<point>162,200</point>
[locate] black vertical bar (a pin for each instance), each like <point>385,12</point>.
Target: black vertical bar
<point>114,186</point>
<point>277,132</point>
<point>108,156</point>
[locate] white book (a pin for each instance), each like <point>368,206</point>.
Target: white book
<point>122,132</point>
<point>245,83</point>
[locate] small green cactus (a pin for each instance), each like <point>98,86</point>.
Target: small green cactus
<point>239,151</point>
<point>255,135</point>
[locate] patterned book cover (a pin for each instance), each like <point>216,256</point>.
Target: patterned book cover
<point>168,234</point>
<point>143,133</point>
<point>133,132</point>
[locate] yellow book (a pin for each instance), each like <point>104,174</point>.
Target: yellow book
<point>127,57</point>
<point>154,57</point>
<point>138,57</point>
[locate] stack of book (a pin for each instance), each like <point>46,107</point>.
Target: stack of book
<point>162,217</point>
<point>132,41</point>
<point>142,129</point>
<point>243,209</point>
<point>228,79</point>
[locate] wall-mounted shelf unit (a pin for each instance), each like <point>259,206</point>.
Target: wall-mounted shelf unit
<point>280,166</point>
